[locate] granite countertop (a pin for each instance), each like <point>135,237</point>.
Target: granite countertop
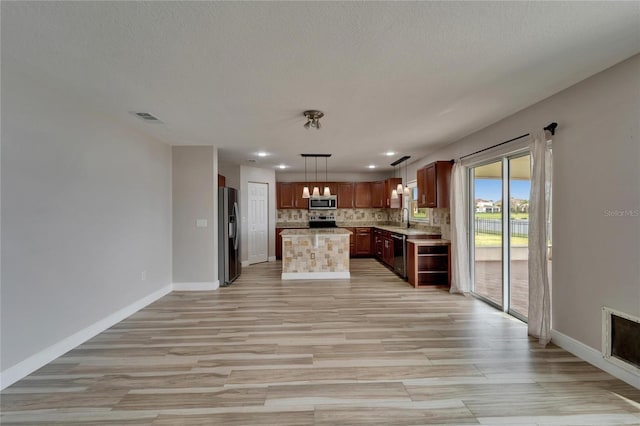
<point>288,225</point>
<point>421,242</point>
<point>406,231</point>
<point>313,232</point>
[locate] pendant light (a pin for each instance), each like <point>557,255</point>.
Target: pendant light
<point>394,192</point>
<point>305,190</point>
<point>327,191</point>
<point>407,192</point>
<point>316,190</point>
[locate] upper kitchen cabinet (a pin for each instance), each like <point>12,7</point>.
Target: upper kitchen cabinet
<point>362,195</point>
<point>285,195</point>
<point>345,195</point>
<point>390,185</point>
<point>298,201</point>
<point>433,184</point>
<point>377,194</point>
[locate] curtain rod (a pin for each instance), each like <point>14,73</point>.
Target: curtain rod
<point>551,128</point>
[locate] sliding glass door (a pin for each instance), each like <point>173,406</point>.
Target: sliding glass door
<point>501,228</point>
<point>487,237</point>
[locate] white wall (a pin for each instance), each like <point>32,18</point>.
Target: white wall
<point>231,172</point>
<point>195,189</point>
<point>268,176</point>
<point>596,169</point>
<point>86,205</point>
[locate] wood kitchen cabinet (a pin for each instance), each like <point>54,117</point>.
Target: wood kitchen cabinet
<point>377,243</point>
<point>285,192</point>
<point>352,241</point>
<point>428,263</point>
<point>298,201</point>
<point>434,181</point>
<point>363,241</point>
<point>377,194</point>
<point>278,243</point>
<point>362,198</point>
<point>345,195</point>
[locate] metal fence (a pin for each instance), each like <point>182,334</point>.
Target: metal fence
<point>519,227</point>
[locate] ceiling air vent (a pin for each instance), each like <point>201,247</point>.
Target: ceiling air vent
<point>146,117</point>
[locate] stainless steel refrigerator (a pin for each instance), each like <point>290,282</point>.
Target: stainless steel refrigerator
<point>228,236</point>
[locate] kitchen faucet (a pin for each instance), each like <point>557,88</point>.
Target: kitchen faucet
<point>402,216</point>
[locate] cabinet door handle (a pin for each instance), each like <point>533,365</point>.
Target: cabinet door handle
<point>423,198</point>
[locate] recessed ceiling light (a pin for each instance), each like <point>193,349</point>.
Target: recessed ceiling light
<point>389,153</point>
<point>282,166</point>
<point>372,166</point>
<point>262,154</point>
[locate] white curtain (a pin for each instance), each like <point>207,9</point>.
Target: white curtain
<point>539,315</point>
<point>460,278</point>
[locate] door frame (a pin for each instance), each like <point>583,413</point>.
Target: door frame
<point>506,229</point>
<point>266,214</point>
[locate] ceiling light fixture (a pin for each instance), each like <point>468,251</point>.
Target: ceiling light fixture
<point>305,190</point>
<point>282,166</point>
<point>372,166</point>
<point>400,189</point>
<point>316,190</point>
<point>389,153</point>
<point>262,154</point>
<point>313,118</point>
<point>327,191</point>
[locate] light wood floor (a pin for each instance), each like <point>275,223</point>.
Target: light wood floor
<point>372,350</point>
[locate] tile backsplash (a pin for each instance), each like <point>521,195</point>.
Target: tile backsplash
<point>342,215</point>
<point>439,219</point>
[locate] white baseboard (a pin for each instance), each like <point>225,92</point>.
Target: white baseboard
<point>244,263</point>
<point>272,258</point>
<point>594,357</point>
<point>38,360</point>
<point>316,275</point>
<point>203,286</point>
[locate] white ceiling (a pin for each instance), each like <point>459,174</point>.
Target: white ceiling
<point>407,76</point>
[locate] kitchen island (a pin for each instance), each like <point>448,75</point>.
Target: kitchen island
<point>315,254</point>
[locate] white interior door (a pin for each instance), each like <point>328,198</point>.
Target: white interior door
<point>258,222</point>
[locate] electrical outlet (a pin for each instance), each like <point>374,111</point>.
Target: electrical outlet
<point>143,276</point>
<point>313,255</point>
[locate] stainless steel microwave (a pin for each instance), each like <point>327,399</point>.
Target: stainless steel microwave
<point>323,203</point>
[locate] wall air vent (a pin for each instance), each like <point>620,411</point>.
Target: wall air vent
<point>146,117</point>
<point>621,339</point>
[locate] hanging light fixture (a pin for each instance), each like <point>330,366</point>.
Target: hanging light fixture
<point>313,118</point>
<point>407,192</point>
<point>327,191</point>
<point>316,190</point>
<point>400,189</point>
<point>394,192</point>
<point>305,190</point>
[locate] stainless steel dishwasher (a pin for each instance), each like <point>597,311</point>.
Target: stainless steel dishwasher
<point>400,254</point>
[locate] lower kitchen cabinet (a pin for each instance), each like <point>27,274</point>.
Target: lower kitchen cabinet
<point>363,241</point>
<point>278,243</point>
<point>352,241</point>
<point>377,243</point>
<point>428,263</point>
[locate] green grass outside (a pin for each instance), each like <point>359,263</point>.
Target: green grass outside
<point>495,240</point>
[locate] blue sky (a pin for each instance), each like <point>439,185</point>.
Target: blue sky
<point>491,189</point>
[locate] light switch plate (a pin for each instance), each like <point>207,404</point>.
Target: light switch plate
<point>201,223</point>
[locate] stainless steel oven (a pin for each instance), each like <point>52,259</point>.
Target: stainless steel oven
<point>323,203</point>
<point>400,254</point>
